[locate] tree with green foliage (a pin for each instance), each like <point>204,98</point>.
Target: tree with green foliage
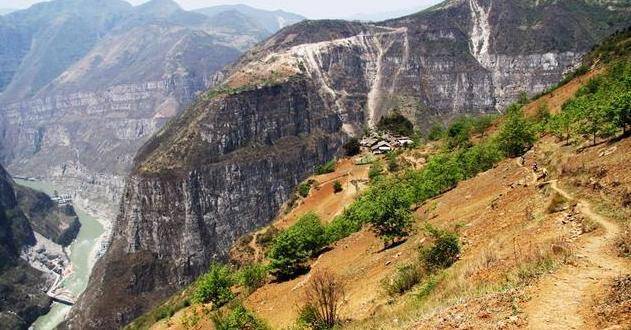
<point>620,113</point>
<point>292,247</point>
<point>392,218</point>
<point>482,123</point>
<point>517,134</point>
<point>458,133</point>
<point>436,132</point>
<point>214,286</point>
<point>397,124</point>
<point>252,276</point>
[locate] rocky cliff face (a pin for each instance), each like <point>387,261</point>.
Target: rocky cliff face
<point>22,288</point>
<point>121,74</point>
<point>58,223</point>
<point>226,165</point>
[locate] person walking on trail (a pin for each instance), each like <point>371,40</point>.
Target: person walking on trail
<point>535,167</point>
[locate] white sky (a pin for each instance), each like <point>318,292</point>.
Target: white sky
<point>308,8</point>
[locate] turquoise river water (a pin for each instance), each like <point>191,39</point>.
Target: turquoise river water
<point>82,254</point>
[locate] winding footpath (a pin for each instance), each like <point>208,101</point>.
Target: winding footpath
<point>560,299</point>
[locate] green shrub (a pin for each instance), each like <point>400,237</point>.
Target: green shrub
<point>404,279</point>
<point>340,227</point>
<point>352,147</point>
<point>337,187</point>
<point>308,317</point>
<point>252,276</point>
<point>393,164</point>
<point>436,133</point>
<point>375,171</point>
<point>397,124</point>
<point>517,134</point>
<point>327,167</point>
<point>214,286</point>
<point>482,123</point>
<point>292,247</point>
<point>239,318</point>
<point>444,252</point>
<point>458,133</point>
<point>304,188</point>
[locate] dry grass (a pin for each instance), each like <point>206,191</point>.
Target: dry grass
<point>623,242</point>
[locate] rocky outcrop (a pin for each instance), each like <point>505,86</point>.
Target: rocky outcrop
<point>59,223</point>
<point>226,165</point>
<point>22,287</point>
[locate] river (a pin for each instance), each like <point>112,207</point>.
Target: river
<point>82,253</point>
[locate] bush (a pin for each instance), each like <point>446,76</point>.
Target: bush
<point>252,276</point>
<point>352,147</point>
<point>304,188</point>
<point>436,133</point>
<point>393,164</point>
<point>458,133</point>
<point>324,295</point>
<point>397,124</point>
<point>340,227</point>
<point>482,123</point>
<point>404,279</point>
<point>214,286</point>
<point>445,250</point>
<point>239,318</point>
<point>375,171</point>
<point>292,247</point>
<point>337,187</point>
<point>516,135</point>
<point>325,168</point>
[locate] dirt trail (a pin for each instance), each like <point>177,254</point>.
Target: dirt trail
<point>560,300</point>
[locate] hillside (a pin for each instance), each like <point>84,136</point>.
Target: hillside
<point>228,164</point>
<point>544,248</point>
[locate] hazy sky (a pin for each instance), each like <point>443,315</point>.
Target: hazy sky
<point>308,8</point>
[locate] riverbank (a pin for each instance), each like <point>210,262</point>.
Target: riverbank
<point>82,252</point>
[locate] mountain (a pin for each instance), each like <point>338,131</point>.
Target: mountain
<point>226,165</point>
<point>271,21</point>
<point>23,299</point>
<point>4,11</point>
<point>84,83</point>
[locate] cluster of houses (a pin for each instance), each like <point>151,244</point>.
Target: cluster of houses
<point>384,143</point>
<point>63,199</point>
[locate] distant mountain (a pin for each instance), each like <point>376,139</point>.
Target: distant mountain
<point>271,21</point>
<point>4,11</point>
<point>382,16</point>
<point>84,83</point>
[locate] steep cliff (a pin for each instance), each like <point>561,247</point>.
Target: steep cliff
<point>58,223</point>
<point>226,165</point>
<point>22,298</point>
<point>84,83</point>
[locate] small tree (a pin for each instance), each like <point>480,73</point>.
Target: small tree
<point>324,295</point>
<point>252,276</point>
<point>620,113</point>
<point>458,133</point>
<point>437,132</point>
<point>352,147</point>
<point>392,218</point>
<point>214,286</point>
<point>294,246</point>
<point>337,187</point>
<point>375,171</point>
<point>517,134</point>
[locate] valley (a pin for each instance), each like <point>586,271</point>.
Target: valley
<point>465,166</point>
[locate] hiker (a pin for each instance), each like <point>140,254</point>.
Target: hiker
<point>535,168</point>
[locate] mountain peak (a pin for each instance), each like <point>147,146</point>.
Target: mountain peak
<point>160,7</point>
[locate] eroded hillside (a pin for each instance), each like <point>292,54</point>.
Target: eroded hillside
<point>543,237</point>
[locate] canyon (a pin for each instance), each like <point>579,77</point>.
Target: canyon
<point>227,164</point>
